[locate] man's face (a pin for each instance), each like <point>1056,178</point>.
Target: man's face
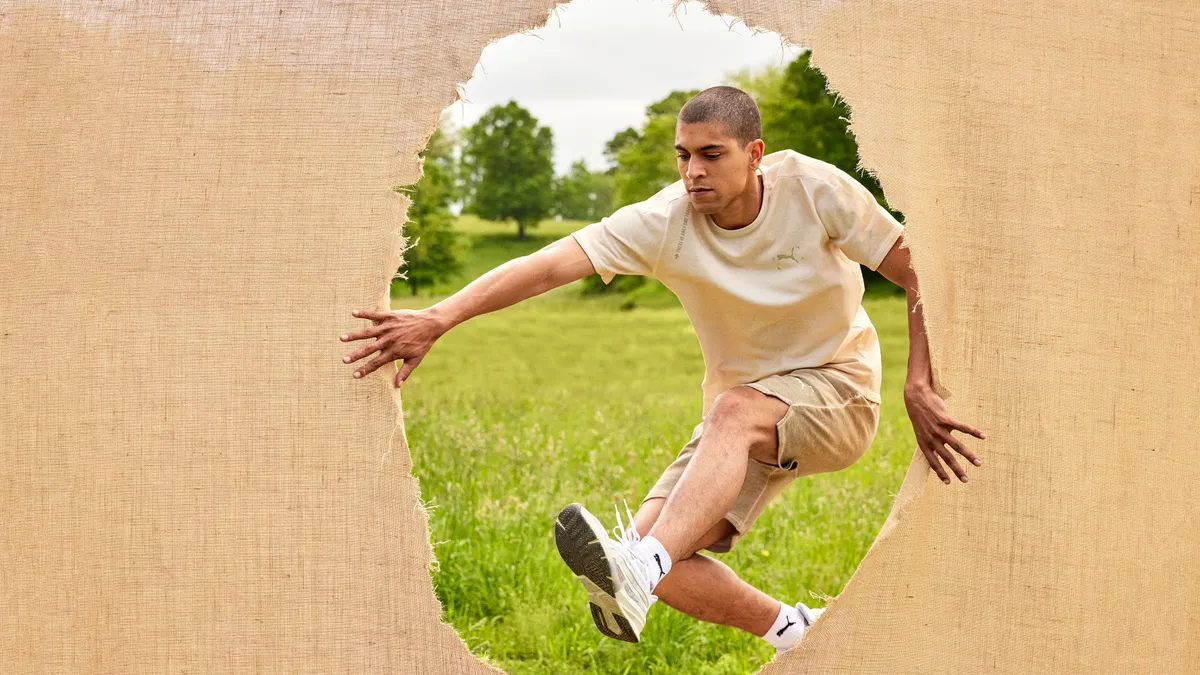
<point>714,167</point>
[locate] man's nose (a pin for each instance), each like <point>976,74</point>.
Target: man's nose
<point>694,169</point>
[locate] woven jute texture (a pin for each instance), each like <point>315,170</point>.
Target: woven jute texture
<point>193,196</point>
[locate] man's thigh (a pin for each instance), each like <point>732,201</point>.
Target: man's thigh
<point>759,416</point>
<point>750,416</point>
<point>828,424</point>
<point>821,424</point>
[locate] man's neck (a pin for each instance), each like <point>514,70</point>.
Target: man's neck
<point>743,210</point>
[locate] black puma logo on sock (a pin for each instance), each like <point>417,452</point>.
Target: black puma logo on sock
<point>661,573</point>
<point>790,624</point>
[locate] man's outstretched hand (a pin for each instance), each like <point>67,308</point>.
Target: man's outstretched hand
<point>405,334</point>
<point>932,425</point>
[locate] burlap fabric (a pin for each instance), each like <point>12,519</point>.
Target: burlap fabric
<point>194,195</point>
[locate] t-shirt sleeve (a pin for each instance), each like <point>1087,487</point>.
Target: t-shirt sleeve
<point>627,242</point>
<point>855,221</point>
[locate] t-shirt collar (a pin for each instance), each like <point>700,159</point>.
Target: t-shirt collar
<point>754,225</point>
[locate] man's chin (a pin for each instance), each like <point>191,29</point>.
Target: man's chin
<point>703,203</point>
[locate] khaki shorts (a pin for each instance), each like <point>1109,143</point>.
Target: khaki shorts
<point>827,427</point>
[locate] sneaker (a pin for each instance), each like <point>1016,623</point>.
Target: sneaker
<point>809,616</point>
<point>616,578</point>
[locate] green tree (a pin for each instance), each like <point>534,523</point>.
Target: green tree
<point>645,159</point>
<point>799,113</point>
<point>582,194</point>
<point>613,147</point>
<point>507,169</point>
<point>433,253</point>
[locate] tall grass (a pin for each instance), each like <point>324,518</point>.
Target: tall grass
<point>560,399</point>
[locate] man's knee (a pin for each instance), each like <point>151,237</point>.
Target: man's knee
<point>754,416</point>
<point>738,405</point>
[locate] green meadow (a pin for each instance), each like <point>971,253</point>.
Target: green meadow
<point>565,398</point>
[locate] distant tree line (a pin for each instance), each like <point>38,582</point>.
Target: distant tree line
<point>501,168</point>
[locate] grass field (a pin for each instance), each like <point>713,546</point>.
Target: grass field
<point>559,399</point>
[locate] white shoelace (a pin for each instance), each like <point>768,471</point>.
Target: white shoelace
<point>627,532</point>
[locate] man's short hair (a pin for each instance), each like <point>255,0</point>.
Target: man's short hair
<point>729,106</point>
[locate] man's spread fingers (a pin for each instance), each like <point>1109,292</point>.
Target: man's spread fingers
<point>962,450</point>
<point>365,350</point>
<point>952,463</point>
<point>370,314</point>
<point>967,429</point>
<point>371,366</point>
<point>932,458</point>
<point>373,331</point>
<point>405,370</point>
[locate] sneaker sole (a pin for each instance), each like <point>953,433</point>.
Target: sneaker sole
<point>578,543</point>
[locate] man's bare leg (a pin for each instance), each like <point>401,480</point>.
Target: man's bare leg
<point>706,588</point>
<point>741,424</point>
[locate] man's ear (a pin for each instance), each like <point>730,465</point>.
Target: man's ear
<point>757,149</point>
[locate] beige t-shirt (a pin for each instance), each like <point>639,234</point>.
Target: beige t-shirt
<point>781,293</point>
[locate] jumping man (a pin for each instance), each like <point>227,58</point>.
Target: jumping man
<point>764,253</point>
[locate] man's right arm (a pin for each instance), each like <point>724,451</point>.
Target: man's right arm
<point>518,279</point>
<point>408,335</point>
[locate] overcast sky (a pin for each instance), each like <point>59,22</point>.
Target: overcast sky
<point>593,69</point>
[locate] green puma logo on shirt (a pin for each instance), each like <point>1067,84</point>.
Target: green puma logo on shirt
<point>791,255</point>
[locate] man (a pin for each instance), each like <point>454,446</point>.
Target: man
<point>764,254</point>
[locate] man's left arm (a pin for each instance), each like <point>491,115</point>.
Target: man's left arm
<point>931,420</point>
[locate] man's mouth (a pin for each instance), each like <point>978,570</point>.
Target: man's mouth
<point>700,190</point>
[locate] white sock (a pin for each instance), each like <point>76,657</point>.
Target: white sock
<point>788,628</point>
<point>657,560</point>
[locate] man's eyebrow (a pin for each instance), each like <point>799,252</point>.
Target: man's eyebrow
<point>710,146</point>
